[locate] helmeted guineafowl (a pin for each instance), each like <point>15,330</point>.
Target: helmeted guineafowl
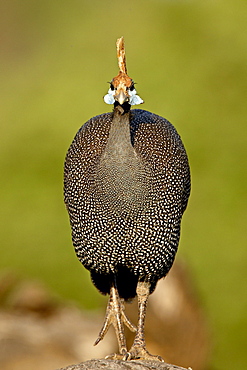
<point>126,186</point>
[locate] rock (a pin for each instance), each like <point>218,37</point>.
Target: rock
<point>122,365</point>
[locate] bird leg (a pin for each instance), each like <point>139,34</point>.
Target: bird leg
<point>115,315</point>
<point>138,349</point>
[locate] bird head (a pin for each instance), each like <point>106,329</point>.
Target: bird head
<point>122,87</point>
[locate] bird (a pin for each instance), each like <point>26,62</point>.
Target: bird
<point>126,187</point>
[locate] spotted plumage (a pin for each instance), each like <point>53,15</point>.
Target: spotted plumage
<point>126,186</point>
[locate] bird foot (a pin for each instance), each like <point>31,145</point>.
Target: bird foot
<point>115,316</point>
<point>112,318</point>
<point>140,353</point>
<point>116,356</point>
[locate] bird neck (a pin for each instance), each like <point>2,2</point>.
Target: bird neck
<point>120,170</point>
<point>119,141</point>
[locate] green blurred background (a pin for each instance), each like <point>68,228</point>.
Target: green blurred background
<point>189,59</point>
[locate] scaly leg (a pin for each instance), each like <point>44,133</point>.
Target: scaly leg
<point>115,315</point>
<point>138,349</point>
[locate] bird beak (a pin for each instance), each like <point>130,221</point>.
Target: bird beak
<point>121,97</point>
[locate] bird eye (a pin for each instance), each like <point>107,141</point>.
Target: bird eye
<point>132,87</point>
<point>111,87</point>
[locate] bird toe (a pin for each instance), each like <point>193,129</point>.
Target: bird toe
<point>140,353</point>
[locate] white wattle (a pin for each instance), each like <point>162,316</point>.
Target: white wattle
<point>108,98</point>
<point>134,98</point>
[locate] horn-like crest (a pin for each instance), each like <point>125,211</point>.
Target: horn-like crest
<point>121,55</point>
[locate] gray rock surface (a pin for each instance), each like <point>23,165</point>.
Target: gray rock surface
<point>122,365</point>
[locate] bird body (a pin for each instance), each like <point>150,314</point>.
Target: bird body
<point>127,183</point>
